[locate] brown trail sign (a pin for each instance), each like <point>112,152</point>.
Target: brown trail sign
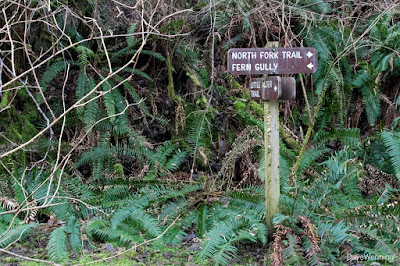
<point>268,88</point>
<point>273,88</point>
<point>251,61</point>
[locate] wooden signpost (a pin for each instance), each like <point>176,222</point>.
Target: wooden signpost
<point>272,60</point>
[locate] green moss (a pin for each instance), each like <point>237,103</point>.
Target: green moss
<point>18,124</point>
<point>9,260</point>
<point>28,130</point>
<point>231,135</point>
<point>246,117</point>
<point>239,106</point>
<point>238,87</point>
<point>4,101</point>
<point>291,142</point>
<point>222,90</point>
<point>245,94</point>
<point>234,84</point>
<point>171,89</point>
<point>257,108</point>
<point>119,169</point>
<point>30,263</point>
<point>15,132</point>
<point>202,103</point>
<point>203,178</point>
<point>125,259</point>
<point>194,78</point>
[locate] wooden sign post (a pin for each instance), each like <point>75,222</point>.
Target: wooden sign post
<point>271,155</point>
<point>272,60</point>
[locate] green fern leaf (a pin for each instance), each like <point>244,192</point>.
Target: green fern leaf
<point>219,245</point>
<point>134,95</point>
<point>310,156</point>
<point>197,136</point>
<point>57,246</point>
<point>371,95</point>
<point>202,220</point>
<point>100,230</point>
<point>142,74</point>
<point>84,53</point>
<point>392,144</point>
<point>292,254</point>
<point>16,233</point>
<point>233,41</point>
<point>50,74</point>
<point>172,163</point>
<point>74,234</point>
<point>130,40</point>
<point>146,221</point>
<point>91,108</point>
<point>109,101</point>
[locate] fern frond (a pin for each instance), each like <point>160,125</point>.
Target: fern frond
<point>130,40</point>
<point>16,233</point>
<point>202,220</point>
<point>142,74</point>
<point>382,246</point>
<point>100,230</point>
<point>74,234</point>
<point>90,113</point>
<point>233,41</point>
<point>392,144</point>
<point>173,208</point>
<point>134,95</point>
<point>197,131</point>
<point>51,73</point>
<point>109,101</point>
<point>81,85</point>
<point>57,246</point>
<point>133,213</point>
<point>338,232</point>
<point>84,53</point>
<point>168,156</point>
<point>310,156</point>
<point>292,254</point>
<point>177,232</point>
<point>365,80</point>
<point>156,55</point>
<point>348,136</point>
<point>220,240</point>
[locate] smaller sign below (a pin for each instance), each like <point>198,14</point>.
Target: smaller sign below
<point>288,88</point>
<point>268,88</point>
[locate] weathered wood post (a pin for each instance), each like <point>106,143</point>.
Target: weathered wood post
<point>271,147</point>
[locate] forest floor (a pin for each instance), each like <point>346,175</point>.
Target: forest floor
<point>155,253</point>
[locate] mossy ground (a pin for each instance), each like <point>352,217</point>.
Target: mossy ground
<point>145,256</point>
<point>155,253</point>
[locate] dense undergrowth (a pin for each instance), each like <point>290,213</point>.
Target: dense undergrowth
<point>120,124</point>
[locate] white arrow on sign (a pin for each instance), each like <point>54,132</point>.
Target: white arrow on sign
<point>309,54</point>
<point>275,88</point>
<point>310,65</point>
